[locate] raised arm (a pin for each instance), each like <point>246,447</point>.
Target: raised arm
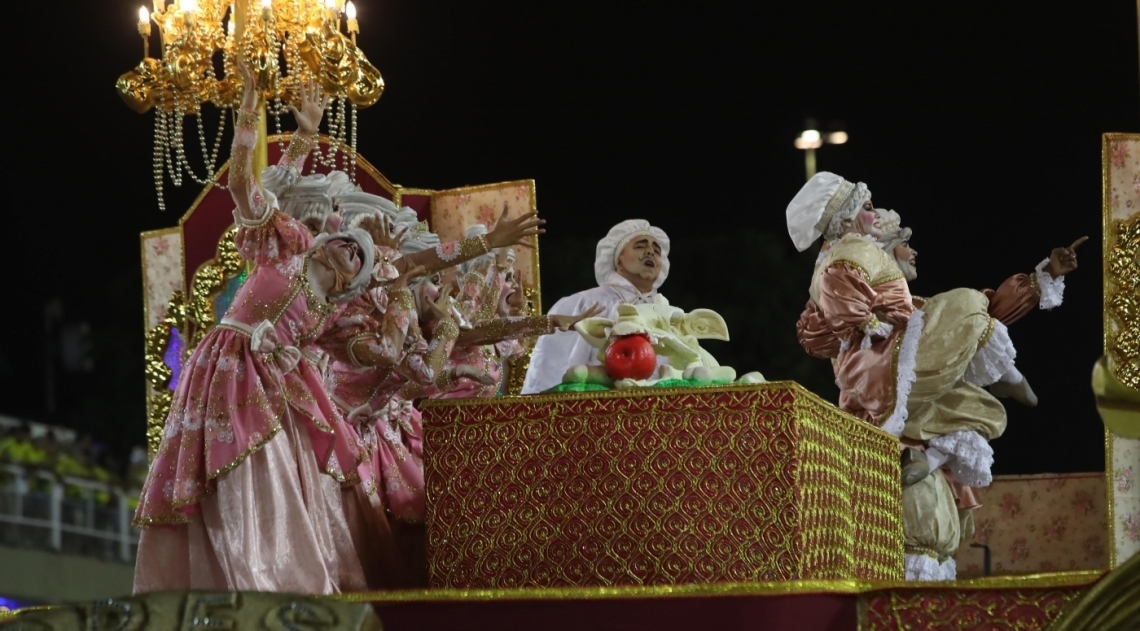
<point>516,327</point>
<point>244,189</point>
<point>507,232</point>
<point>1044,288</point>
<point>308,123</point>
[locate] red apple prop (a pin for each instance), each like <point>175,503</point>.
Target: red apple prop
<point>631,357</point>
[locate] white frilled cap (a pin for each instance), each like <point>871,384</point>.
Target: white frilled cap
<point>825,196</point>
<point>609,248</point>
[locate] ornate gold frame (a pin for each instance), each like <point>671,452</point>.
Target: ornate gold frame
<point>1121,268</point>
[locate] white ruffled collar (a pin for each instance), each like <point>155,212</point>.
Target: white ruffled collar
<point>627,290</point>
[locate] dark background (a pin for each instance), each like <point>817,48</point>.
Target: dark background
<point>979,122</point>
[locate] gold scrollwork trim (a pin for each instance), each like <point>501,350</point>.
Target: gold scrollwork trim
<point>398,196</point>
<point>1121,269</point>
<point>158,374</point>
<point>1122,304</point>
<point>1109,492</point>
<point>209,281</point>
<point>1121,278</point>
<point>781,588</point>
<point>632,393</point>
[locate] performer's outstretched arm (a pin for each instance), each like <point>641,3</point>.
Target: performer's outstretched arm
<point>244,187</point>
<point>1043,288</point>
<point>507,232</point>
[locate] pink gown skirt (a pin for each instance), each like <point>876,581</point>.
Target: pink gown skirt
<point>278,490</point>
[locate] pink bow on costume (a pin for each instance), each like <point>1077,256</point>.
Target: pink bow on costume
<point>264,340</point>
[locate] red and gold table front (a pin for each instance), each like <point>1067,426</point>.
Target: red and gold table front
<point>763,482</point>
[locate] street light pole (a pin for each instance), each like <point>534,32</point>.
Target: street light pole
<point>810,140</point>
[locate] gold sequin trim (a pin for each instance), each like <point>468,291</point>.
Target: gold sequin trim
<point>352,342</point>
<point>247,119</point>
<point>245,454</point>
<point>299,148</point>
<point>886,279</point>
<point>987,333</point>
<point>446,331</point>
<point>403,298</point>
<point>854,265</point>
<point>472,247</point>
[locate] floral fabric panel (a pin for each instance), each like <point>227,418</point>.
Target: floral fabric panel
<point>1039,523</point>
<point>453,211</point>
<point>162,271</point>
<point>1124,177</point>
<point>1125,479</point>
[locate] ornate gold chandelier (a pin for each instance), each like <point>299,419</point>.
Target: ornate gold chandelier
<point>286,42</point>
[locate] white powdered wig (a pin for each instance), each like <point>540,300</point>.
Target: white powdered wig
<point>301,197</point>
<point>340,184</point>
<point>821,207</point>
<point>610,247</point>
<point>356,205</point>
<point>418,238</point>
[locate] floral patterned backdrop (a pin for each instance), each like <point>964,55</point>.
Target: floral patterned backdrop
<point>1122,201</point>
<point>1124,177</point>
<point>1040,523</point>
<point>1125,480</point>
<point>453,210</point>
<point>162,271</point>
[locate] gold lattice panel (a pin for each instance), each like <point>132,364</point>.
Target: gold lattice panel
<point>736,483</point>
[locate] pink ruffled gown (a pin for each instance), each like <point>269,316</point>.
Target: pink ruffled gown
<point>244,492</point>
<point>387,507</point>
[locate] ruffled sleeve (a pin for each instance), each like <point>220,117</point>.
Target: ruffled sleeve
<point>1052,289</point>
<point>814,334</point>
<point>848,301</point>
<point>1014,298</point>
<point>272,239</point>
<point>1020,293</point>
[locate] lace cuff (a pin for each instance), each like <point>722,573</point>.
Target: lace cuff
<point>873,327</point>
<point>1051,290</point>
<point>298,150</point>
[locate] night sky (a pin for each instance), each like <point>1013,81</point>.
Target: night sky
<point>979,122</point>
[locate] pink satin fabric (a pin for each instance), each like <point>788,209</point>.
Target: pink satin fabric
<point>275,523</point>
<point>230,500</point>
<point>231,398</point>
<point>1012,299</point>
<point>865,376</point>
